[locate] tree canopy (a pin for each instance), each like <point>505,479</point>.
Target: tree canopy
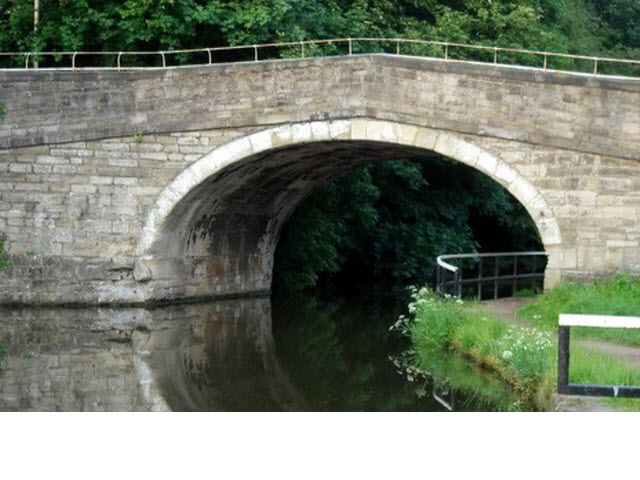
<point>581,26</point>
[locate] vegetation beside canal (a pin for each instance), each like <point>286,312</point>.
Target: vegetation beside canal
<point>446,332</point>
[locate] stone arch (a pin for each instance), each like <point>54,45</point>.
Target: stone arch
<point>156,241</point>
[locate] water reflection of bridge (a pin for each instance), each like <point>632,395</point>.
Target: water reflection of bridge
<point>210,356</point>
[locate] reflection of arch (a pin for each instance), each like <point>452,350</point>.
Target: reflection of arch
<point>178,200</point>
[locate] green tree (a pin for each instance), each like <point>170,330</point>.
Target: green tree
<point>402,215</point>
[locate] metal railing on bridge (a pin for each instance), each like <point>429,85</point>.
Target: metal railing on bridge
<point>489,275</point>
<point>451,51</point>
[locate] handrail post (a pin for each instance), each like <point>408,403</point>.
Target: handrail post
<point>544,64</point>
<point>480,279</point>
<point>26,61</point>
<point>302,49</point>
<point>397,47</point>
<point>118,59</point>
<point>350,46</point>
<point>515,276</point>
<point>595,66</point>
<point>446,51</point>
<point>164,60</point>
<point>534,271</point>
<point>495,54</point>
<point>209,55</point>
<point>73,60</point>
<point>255,53</point>
<point>496,271</point>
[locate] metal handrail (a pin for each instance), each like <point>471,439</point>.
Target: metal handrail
<point>31,57</point>
<point>454,285</point>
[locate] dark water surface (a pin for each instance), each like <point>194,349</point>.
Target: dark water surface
<point>254,354</point>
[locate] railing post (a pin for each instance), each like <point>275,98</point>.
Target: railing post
<point>209,54</point>
<point>350,46</point>
<point>118,60</point>
<point>495,54</point>
<point>595,66</point>
<point>397,47</point>
<point>495,278</point>
<point>302,49</point>
<point>73,60</point>
<point>515,276</point>
<point>480,279</point>
<point>26,61</point>
<point>164,60</point>
<point>446,51</point>
<point>544,64</point>
<point>255,53</point>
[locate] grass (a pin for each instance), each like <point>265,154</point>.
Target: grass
<point>446,332</point>
<point>620,296</point>
<point>589,366</point>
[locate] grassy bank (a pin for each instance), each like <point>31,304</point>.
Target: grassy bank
<point>448,332</point>
<point>620,296</point>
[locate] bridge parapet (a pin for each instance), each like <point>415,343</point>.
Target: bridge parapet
<point>577,112</point>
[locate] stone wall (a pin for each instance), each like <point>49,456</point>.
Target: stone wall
<point>72,213</point>
<point>595,200</point>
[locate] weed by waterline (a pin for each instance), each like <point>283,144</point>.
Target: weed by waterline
<point>4,258</point>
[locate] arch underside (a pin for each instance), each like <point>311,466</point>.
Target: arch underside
<point>214,230</point>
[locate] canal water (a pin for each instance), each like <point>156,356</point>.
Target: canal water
<point>255,354</point>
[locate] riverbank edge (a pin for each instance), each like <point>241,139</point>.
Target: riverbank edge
<point>538,394</point>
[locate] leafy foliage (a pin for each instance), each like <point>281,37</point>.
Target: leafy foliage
<point>585,26</point>
<point>401,216</point>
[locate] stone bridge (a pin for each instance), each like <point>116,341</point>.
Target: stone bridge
<point>128,187</point>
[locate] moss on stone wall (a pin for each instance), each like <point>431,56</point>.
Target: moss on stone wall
<point>4,259</point>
